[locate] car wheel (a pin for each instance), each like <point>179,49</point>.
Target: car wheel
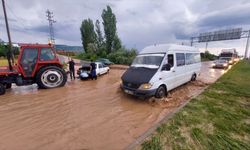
<point>160,92</point>
<point>2,89</point>
<point>51,77</point>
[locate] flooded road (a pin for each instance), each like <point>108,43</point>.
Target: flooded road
<point>85,114</point>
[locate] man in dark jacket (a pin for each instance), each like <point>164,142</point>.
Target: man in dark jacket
<point>72,69</point>
<point>93,70</point>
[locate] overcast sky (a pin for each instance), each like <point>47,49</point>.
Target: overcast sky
<point>139,22</point>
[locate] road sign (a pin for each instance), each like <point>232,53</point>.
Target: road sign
<point>230,34</point>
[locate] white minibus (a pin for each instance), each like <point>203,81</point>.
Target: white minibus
<point>158,69</point>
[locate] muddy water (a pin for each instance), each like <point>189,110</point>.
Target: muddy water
<point>85,114</point>
<point>209,75</point>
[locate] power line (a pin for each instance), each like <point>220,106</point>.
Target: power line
<point>18,18</point>
<point>50,16</point>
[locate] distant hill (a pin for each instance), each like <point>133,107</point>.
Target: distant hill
<point>69,48</point>
<point>58,47</point>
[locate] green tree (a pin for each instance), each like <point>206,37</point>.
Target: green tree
<point>116,43</point>
<point>207,54</point>
<point>3,50</point>
<point>122,56</point>
<point>87,33</point>
<point>109,24</point>
<point>91,48</point>
<point>99,39</point>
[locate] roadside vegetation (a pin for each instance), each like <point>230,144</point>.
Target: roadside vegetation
<point>207,56</point>
<point>4,52</point>
<point>219,118</point>
<point>107,45</point>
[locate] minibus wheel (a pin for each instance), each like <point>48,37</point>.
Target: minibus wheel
<point>193,78</point>
<point>160,92</point>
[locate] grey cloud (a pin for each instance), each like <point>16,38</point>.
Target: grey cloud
<point>41,28</point>
<point>226,18</point>
<point>132,12</point>
<point>9,19</point>
<point>139,22</point>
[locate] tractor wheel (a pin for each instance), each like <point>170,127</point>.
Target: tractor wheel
<point>8,85</point>
<point>51,77</point>
<point>2,89</point>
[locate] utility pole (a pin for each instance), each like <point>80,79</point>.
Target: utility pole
<point>247,45</point>
<point>9,54</point>
<point>192,41</point>
<point>206,46</point>
<point>49,15</point>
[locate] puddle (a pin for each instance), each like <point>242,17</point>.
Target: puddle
<point>179,95</point>
<point>85,114</point>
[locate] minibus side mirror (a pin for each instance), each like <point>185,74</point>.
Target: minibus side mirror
<point>166,67</point>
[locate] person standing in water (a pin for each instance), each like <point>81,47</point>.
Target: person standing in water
<point>72,69</point>
<point>93,70</point>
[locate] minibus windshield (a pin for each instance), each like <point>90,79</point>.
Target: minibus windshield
<point>148,60</point>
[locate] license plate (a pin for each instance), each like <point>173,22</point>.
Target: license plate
<point>129,92</point>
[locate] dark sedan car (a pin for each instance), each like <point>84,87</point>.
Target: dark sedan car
<point>105,61</point>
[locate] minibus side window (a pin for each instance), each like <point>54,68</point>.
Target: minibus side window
<point>189,58</point>
<point>180,59</point>
<point>171,59</point>
<point>197,58</point>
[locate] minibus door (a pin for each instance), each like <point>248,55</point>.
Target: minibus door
<point>168,75</point>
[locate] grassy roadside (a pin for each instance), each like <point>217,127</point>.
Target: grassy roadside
<point>219,118</point>
<point>3,62</point>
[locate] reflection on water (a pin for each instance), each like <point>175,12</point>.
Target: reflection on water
<point>209,74</point>
<point>85,114</point>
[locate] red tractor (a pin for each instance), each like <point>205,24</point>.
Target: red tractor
<point>37,63</point>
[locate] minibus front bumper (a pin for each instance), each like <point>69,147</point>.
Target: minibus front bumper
<point>138,92</point>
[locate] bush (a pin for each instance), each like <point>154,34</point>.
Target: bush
<point>4,51</point>
<point>102,53</point>
<point>86,56</point>
<point>207,56</point>
<point>121,56</point>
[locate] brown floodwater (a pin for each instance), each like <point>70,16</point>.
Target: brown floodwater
<point>86,114</point>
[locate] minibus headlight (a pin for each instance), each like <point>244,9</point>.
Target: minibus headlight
<point>224,65</point>
<point>145,86</point>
